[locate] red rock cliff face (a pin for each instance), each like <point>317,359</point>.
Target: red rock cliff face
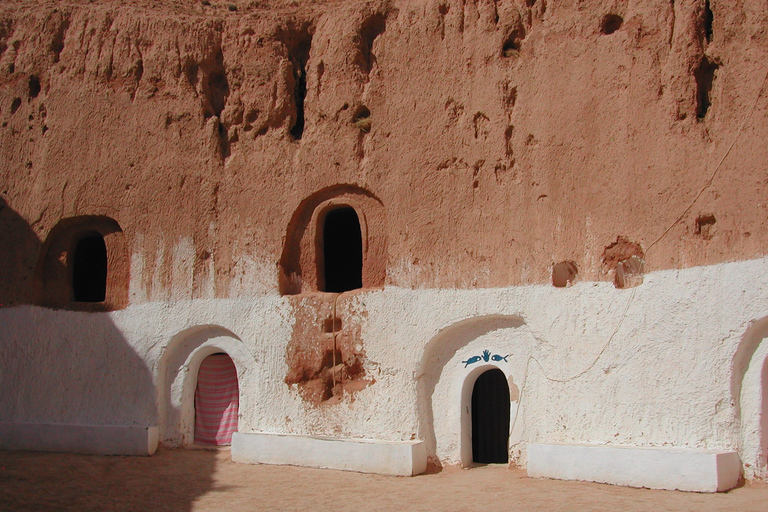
<point>496,137</point>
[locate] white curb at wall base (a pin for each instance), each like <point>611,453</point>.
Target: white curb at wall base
<point>95,439</point>
<point>654,468</point>
<point>406,458</point>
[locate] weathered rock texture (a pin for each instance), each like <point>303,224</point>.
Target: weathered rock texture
<point>504,136</point>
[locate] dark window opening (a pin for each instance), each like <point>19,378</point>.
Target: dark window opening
<point>300,93</point>
<point>611,23</point>
<point>89,269</point>
<point>709,18</point>
<point>299,44</point>
<point>34,86</point>
<point>490,418</point>
<point>342,251</point>
<point>705,76</point>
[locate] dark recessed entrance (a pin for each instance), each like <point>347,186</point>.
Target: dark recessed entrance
<point>342,251</point>
<point>490,418</point>
<point>89,269</point>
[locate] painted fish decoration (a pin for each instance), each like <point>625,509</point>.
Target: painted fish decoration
<point>471,360</point>
<point>485,356</point>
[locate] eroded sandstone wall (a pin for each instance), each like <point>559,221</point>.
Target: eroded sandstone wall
<point>500,137</point>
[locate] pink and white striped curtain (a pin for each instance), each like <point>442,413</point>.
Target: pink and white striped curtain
<point>216,401</point>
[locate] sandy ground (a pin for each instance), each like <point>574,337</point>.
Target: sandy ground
<point>207,481</point>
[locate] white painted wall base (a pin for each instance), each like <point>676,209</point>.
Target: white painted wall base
<point>97,439</point>
<point>654,468</point>
<point>405,458</point>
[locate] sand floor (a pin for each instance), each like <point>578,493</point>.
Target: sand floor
<point>181,480</point>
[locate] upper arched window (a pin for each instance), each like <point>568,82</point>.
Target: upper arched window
<point>335,242</point>
<point>89,268</point>
<point>342,251</point>
<point>84,265</point>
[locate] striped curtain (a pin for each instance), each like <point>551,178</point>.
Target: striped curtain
<point>216,401</point>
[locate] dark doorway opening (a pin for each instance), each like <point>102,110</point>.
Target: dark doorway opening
<point>89,269</point>
<point>342,251</point>
<point>490,418</point>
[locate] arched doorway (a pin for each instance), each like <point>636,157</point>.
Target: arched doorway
<point>490,418</point>
<point>216,401</point>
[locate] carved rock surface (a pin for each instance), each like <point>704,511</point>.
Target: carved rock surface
<point>498,135</point>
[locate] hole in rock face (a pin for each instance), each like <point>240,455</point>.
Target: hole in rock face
<point>514,40</point>
<point>57,43</point>
<point>443,9</point>
<point>299,96</point>
<point>620,250</point>
<point>610,23</point>
<point>629,272</point>
<point>332,358</point>
<point>709,18</point>
<point>331,325</point>
<point>15,104</point>
<point>34,86</point>
<point>191,73</point>
<point>705,226</point>
<point>511,48</point>
<point>342,251</point>
<point>298,42</point>
<point>625,259</point>
<point>362,119</point>
<point>705,76</point>
<point>217,91</point>
<point>371,28</point>
<point>89,269</point>
<point>564,274</point>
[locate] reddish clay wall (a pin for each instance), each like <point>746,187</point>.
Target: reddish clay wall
<point>498,137</point>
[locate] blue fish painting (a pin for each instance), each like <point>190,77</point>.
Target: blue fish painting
<point>485,356</point>
<point>471,360</point>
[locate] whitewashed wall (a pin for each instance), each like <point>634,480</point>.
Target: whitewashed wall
<point>646,366</point>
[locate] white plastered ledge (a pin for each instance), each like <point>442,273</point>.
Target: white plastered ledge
<point>404,458</point>
<point>95,439</point>
<point>654,468</point>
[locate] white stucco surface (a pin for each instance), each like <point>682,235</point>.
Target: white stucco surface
<point>403,458</point>
<point>650,366</point>
<point>654,468</point>
<point>98,439</point>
